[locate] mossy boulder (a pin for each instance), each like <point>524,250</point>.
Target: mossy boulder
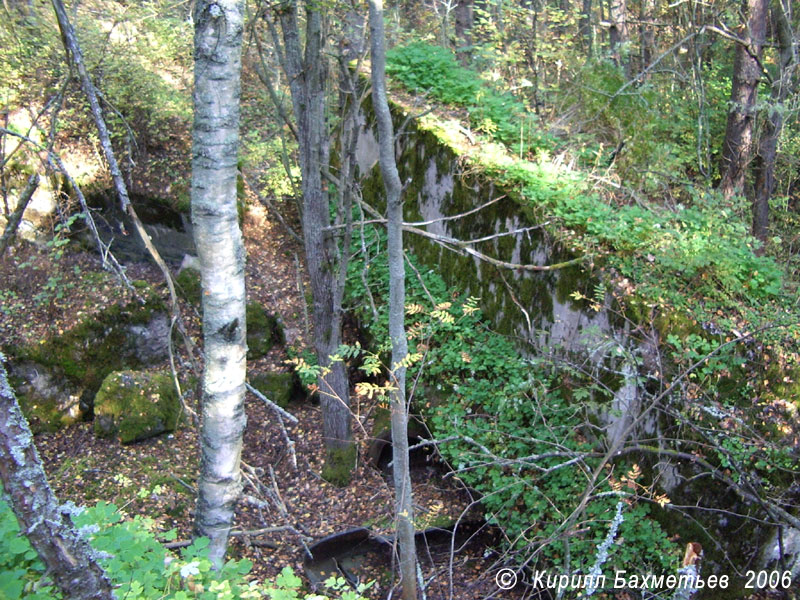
<point>263,331</point>
<point>189,286</point>
<point>58,378</point>
<point>136,405</point>
<point>48,401</point>
<point>281,388</point>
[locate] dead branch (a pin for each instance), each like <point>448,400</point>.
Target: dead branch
<point>271,404</point>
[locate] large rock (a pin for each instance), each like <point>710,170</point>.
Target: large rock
<point>136,405</point>
<point>57,379</point>
<point>47,398</point>
<point>280,388</point>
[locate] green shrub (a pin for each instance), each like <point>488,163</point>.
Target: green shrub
<point>140,568</point>
<point>433,70</point>
<point>475,387</point>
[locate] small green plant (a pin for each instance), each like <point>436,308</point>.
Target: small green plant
<point>433,70</point>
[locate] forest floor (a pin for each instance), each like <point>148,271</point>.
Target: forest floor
<point>156,478</point>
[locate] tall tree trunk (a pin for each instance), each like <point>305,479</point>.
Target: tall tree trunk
<point>69,559</point>
<point>647,36</point>
<point>618,33</point>
<point>464,21</point>
<point>768,144</point>
<point>586,29</point>
<point>306,74</point>
<point>75,57</point>
<point>215,139</point>
<point>737,147</point>
<point>404,510</point>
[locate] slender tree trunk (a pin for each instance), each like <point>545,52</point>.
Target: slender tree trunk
<point>647,36</point>
<point>585,28</point>
<point>404,511</point>
<point>618,32</point>
<point>768,144</point>
<point>737,147</point>
<point>69,559</point>
<point>75,57</point>
<point>306,74</point>
<point>215,138</point>
<point>16,216</point>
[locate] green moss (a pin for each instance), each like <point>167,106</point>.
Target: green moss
<point>135,405</point>
<point>281,388</point>
<point>183,200</point>
<point>339,465</point>
<point>189,286</point>
<point>87,353</point>
<point>263,331</point>
<point>43,414</point>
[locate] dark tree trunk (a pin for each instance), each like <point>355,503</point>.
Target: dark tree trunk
<point>737,147</point>
<point>464,22</point>
<point>565,7</point>
<point>215,139</point>
<point>306,74</point>
<point>69,559</point>
<point>768,144</point>
<point>618,32</point>
<point>647,37</point>
<point>585,28</point>
<point>404,510</point>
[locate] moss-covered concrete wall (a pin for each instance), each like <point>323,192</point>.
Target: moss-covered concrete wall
<point>535,306</point>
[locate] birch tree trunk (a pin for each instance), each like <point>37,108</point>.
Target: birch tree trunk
<point>215,138</point>
<point>70,560</point>
<point>738,144</point>
<point>404,511</point>
<point>306,73</point>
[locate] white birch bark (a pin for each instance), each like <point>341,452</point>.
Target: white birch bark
<point>218,44</point>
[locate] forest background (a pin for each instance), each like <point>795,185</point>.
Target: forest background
<point>656,145</point>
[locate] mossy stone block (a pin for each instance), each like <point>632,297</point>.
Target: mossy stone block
<point>263,331</point>
<point>136,405</point>
<point>81,358</point>
<point>281,388</point>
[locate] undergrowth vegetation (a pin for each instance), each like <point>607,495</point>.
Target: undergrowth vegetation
<point>514,431</point>
<point>139,566</point>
